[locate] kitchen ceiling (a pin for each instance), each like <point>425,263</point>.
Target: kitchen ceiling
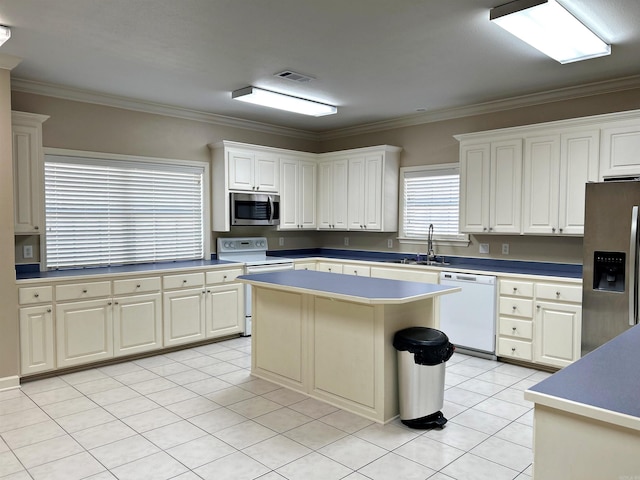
<point>377,60</point>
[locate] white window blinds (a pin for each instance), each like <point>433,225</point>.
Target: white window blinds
<point>108,212</point>
<point>431,195</point>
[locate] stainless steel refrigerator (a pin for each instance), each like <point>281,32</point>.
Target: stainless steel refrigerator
<point>610,262</point>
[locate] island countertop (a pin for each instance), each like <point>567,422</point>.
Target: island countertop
<point>367,290</point>
<point>603,385</point>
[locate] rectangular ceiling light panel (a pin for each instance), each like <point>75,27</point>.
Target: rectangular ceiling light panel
<point>549,27</point>
<point>5,34</point>
<point>282,101</point>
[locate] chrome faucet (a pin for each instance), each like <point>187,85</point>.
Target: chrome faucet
<point>430,253</point>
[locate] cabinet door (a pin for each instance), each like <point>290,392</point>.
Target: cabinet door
<point>356,192</point>
<point>84,332</point>
<point>340,194</point>
<point>619,149</point>
<point>36,340</point>
<point>241,170</point>
<point>541,184</point>
<point>267,173</point>
<point>184,314</point>
<point>137,324</point>
<point>307,195</point>
<point>475,164</point>
<point>372,208</point>
<point>28,179</point>
<point>325,195</point>
<point>289,195</point>
<point>225,313</point>
<point>557,333</point>
<point>578,165</point>
<point>506,186</point>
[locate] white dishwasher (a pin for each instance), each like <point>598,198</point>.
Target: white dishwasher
<point>468,318</point>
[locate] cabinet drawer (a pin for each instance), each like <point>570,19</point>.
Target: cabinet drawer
<point>79,291</point>
<point>223,276</point>
<point>358,270</point>
<point>516,328</point>
<point>136,285</point>
<point>305,266</point>
<point>329,267</point>
<point>564,293</point>
<point>516,288</point>
<point>27,295</point>
<point>514,348</point>
<point>186,280</point>
<point>516,307</point>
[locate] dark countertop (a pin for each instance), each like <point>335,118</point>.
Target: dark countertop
<point>348,287</point>
<point>123,269</point>
<point>607,378</point>
<point>462,263</point>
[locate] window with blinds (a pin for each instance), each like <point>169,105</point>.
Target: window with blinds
<point>430,195</point>
<point>110,212</point>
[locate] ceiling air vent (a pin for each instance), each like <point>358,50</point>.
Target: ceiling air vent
<point>294,77</point>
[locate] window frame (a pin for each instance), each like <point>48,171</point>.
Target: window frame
<point>460,240</point>
<point>115,158</point>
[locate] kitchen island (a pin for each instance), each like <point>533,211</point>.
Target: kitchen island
<point>587,416</point>
<point>330,335</point>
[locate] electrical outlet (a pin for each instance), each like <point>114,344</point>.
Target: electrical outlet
<point>346,241</point>
<point>27,251</point>
<point>281,241</point>
<point>505,249</point>
<point>390,243</point>
<point>484,248</point>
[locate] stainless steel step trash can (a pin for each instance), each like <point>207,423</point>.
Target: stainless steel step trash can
<point>422,353</point>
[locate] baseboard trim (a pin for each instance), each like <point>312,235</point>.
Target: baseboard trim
<point>8,383</point>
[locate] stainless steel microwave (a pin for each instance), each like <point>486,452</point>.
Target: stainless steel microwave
<point>254,209</point>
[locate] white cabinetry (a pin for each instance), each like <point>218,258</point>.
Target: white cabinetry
<point>556,169</point>
<point>297,194</point>
<point>515,319</point>
<point>37,338</point>
<point>491,186</point>
<point>620,147</point>
<point>253,171</point>
<point>137,315</point>
<point>558,324</point>
<point>184,308</point>
<point>332,194</point>
<point>224,309</point>
<point>371,189</point>
<point>28,172</point>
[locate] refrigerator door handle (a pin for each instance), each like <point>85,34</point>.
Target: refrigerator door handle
<point>633,265</point>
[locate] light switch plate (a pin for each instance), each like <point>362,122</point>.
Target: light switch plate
<point>390,243</point>
<point>505,249</point>
<point>281,241</point>
<point>27,251</point>
<point>484,248</point>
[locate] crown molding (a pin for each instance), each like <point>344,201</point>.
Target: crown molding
<point>568,93</point>
<point>86,96</point>
<point>9,62</point>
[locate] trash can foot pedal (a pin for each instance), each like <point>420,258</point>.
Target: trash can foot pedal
<point>435,420</point>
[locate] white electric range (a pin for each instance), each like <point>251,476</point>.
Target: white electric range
<point>252,251</point>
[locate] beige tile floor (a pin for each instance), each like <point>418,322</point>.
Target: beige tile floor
<point>199,414</point>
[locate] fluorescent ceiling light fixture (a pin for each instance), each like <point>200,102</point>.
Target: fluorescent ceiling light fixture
<point>282,101</point>
<point>5,34</point>
<point>549,27</point>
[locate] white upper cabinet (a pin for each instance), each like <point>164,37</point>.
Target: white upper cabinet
<point>619,155</point>
<point>297,194</point>
<point>253,171</point>
<point>491,186</point>
<point>332,194</point>
<point>28,172</point>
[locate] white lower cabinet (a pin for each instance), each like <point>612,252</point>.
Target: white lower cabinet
<point>539,321</point>
<point>224,310</point>
<point>137,324</point>
<point>330,267</point>
<point>84,332</point>
<point>37,339</point>
<point>184,316</point>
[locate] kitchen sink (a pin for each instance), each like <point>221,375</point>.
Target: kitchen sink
<point>414,261</point>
